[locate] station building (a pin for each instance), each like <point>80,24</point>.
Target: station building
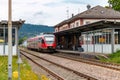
<point>95,30</point>
<point>4,36</point>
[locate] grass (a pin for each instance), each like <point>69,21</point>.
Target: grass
<point>25,70</point>
<point>114,57</point>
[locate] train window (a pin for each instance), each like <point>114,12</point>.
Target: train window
<point>49,39</point>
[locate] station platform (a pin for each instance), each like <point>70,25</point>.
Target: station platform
<point>83,54</point>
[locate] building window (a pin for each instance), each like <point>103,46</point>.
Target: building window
<point>73,25</point>
<point>1,36</point>
<point>102,37</point>
<point>5,41</point>
<point>117,36</point>
<point>99,37</point>
<point>87,22</point>
<point>77,24</point>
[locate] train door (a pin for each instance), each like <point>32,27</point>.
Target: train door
<point>39,43</point>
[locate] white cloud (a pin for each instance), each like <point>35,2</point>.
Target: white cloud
<point>47,12</point>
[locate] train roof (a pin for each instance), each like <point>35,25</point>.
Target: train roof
<point>41,35</point>
<point>45,33</point>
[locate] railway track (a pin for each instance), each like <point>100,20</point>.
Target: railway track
<point>89,61</point>
<point>87,67</point>
<point>84,77</point>
<point>46,69</point>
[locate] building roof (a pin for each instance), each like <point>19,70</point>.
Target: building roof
<point>97,12</point>
<point>14,23</point>
<point>100,13</point>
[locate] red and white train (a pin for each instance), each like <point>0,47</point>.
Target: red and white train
<point>43,42</point>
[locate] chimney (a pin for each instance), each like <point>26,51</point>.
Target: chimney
<point>88,6</point>
<point>72,14</point>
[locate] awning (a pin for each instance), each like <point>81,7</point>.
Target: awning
<point>90,27</point>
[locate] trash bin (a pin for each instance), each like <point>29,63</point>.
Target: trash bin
<point>80,49</point>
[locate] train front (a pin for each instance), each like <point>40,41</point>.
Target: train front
<point>50,42</point>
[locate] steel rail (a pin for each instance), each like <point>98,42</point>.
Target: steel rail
<point>92,62</point>
<point>46,69</point>
<point>76,72</point>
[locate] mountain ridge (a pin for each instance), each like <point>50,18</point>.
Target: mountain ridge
<point>29,30</point>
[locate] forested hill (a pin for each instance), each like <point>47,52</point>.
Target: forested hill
<point>29,30</point>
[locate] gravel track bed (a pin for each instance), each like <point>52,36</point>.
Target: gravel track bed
<point>67,75</point>
<point>77,57</point>
<point>98,72</point>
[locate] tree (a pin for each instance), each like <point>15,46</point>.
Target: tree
<point>22,39</point>
<point>115,4</point>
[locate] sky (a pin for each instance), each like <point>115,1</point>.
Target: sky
<point>46,12</point>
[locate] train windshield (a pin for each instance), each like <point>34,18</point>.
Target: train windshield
<point>49,39</point>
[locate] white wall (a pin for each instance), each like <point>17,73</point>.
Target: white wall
<point>116,47</point>
<point>99,48</point>
<point>6,50</point>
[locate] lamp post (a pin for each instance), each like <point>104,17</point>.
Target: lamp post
<point>10,40</point>
<point>4,22</point>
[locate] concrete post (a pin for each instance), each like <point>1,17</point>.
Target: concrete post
<point>112,40</point>
<point>102,41</point>
<point>16,39</point>
<point>94,41</point>
<point>87,41</point>
<point>10,40</point>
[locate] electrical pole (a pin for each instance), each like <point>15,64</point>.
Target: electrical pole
<point>67,12</point>
<point>10,40</point>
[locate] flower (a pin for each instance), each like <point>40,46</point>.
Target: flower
<point>15,74</point>
<point>43,77</point>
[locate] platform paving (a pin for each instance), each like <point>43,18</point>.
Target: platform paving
<point>83,54</point>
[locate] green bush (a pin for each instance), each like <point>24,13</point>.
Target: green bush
<point>114,57</point>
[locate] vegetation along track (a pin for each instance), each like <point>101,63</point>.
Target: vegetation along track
<point>59,78</point>
<point>89,61</point>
